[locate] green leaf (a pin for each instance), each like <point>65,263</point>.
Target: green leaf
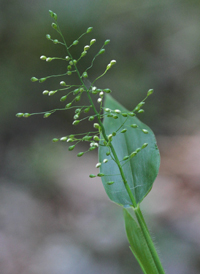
<point>141,169</point>
<point>138,245</point>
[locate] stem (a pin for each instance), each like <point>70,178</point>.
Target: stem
<point>148,239</point>
<point>136,207</point>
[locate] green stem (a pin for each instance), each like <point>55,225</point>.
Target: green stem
<point>136,207</point>
<point>148,240</point>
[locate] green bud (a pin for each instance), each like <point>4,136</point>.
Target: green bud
<point>99,100</point>
<point>63,98</point>
<point>54,140</point>
<point>19,114</point>
<point>87,138</point>
<point>67,58</point>
<point>145,131</point>
<point>69,72</point>
<point>81,89</point>
<point>41,80</point>
<point>113,62</point>
<point>76,122</point>
<point>92,42</point>
<point>92,176</point>
<point>76,116</point>
<point>98,165</point>
<point>45,92</point>
<point>107,90</point>
<point>125,158</point>
<point>137,150</point>
<point>49,59</point>
<point>75,43</point>
<point>55,16</point>
<point>87,109</point>
<point>47,114</point>
<point>78,110</point>
<point>117,111</point>
<point>52,92</point>
<point>92,148</point>
<point>86,48</point>
<point>71,148</point>
<point>63,139</point>
<point>110,183</point>
<point>150,91</point>
<point>68,105</point>
<point>51,13</point>
<point>55,41</point>
<point>105,161</point>
<point>85,75</point>
<point>89,29</point>
<point>62,83</point>
<point>115,116</point>
<point>144,145</point>
<point>48,36</point>
<point>134,126</point>
<point>74,62</point>
<point>114,133</point>
<point>76,91</point>
<point>124,114</point>
<point>108,153</point>
<point>131,114</point>
<point>80,154</point>
<point>26,115</point>
<point>100,174</point>
<point>34,79</point>
<point>43,57</point>
<point>70,140</point>
<point>77,98</point>
<point>83,53</point>
<point>110,137</point>
<point>54,26</point>
<point>106,42</point>
<point>141,110</point>
<point>133,153</point>
<point>124,130</point>
<point>107,109</point>
<point>96,125</point>
<point>69,67</point>
<point>96,138</point>
<point>101,51</point>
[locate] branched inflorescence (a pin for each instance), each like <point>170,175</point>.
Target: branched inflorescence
<point>97,137</point>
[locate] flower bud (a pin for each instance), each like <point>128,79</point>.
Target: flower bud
<point>108,66</point>
<point>133,153</point>
<point>49,59</point>
<point>55,41</point>
<point>53,14</point>
<point>52,92</point>
<point>92,176</point>
<point>144,145</point>
<point>34,79</point>
<point>76,122</point>
<point>80,154</point>
<point>107,109</point>
<point>98,165</point>
<point>69,72</point>
<point>68,105</point>
<point>83,53</point>
<point>54,26</point>
<point>92,148</point>
<point>67,58</point>
<point>107,90</point>
<point>124,130</point>
<point>96,138</point>
<point>77,98</point>
<point>96,125</point>
<point>69,67</point>
<point>43,57</point>
<point>63,98</point>
<point>131,114</point>
<point>41,80</point>
<point>75,43</point>
<point>85,75</point>
<point>110,183</point>
<point>124,114</point>
<point>114,133</point>
<point>86,47</point>
<point>45,92</point>
<point>71,148</point>
<point>91,118</point>
<point>93,144</point>
<point>62,83</point>
<point>141,110</point>
<point>89,29</point>
<point>87,109</point>
<point>54,140</point>
<point>117,111</point>
<point>48,36</point>
<point>105,161</point>
<point>134,126</point>
<point>101,94</point>
<point>137,150</point>
<point>113,62</point>
<point>150,91</point>
<point>19,114</point>
<point>63,139</point>
<point>110,137</point>
<point>78,110</point>
<point>101,51</point>
<point>100,174</point>
<point>115,117</point>
<point>47,114</point>
<point>99,100</point>
<point>26,115</point>
<point>87,138</point>
<point>125,158</point>
<point>108,153</point>
<point>145,131</point>
<point>76,116</point>
<point>76,91</point>
<point>92,42</point>
<point>106,42</point>
<point>70,140</point>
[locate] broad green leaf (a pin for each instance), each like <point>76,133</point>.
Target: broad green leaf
<point>141,170</point>
<point>138,245</point>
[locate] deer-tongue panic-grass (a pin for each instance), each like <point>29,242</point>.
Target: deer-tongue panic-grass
<point>128,154</point>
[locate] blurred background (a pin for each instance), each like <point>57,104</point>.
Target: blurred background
<point>54,219</point>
